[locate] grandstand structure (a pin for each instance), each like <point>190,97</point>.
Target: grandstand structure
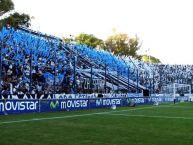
<point>36,63</point>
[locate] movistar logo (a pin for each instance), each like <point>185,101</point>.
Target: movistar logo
<point>54,105</point>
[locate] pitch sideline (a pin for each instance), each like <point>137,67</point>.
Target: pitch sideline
<point>71,116</point>
<point>150,116</point>
<point>90,114</point>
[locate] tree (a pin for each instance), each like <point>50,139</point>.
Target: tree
<point>121,44</point>
<point>151,59</point>
<point>14,20</point>
<point>5,6</point>
<point>68,39</point>
<point>89,40</point>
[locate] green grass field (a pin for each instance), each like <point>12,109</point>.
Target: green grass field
<point>166,124</point>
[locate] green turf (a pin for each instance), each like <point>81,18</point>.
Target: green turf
<point>155,125</point>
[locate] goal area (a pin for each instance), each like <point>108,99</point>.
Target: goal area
<point>176,90</point>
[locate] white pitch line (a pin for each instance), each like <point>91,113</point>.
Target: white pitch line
<point>71,116</point>
<point>181,107</point>
<point>149,116</point>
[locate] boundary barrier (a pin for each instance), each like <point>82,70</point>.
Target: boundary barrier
<point>17,106</point>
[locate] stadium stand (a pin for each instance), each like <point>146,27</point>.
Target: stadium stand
<point>36,63</point>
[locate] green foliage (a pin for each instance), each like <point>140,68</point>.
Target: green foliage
<point>15,20</point>
<point>89,40</point>
<point>67,40</point>
<point>151,59</point>
<point>5,6</point>
<point>121,44</point>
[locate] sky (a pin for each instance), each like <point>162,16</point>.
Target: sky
<point>164,27</point>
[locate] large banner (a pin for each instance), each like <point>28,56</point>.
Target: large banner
<point>77,104</point>
<point>11,106</point>
<point>86,96</point>
<point>19,106</point>
<point>52,96</point>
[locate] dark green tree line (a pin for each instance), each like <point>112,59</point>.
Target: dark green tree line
<point>15,19</point>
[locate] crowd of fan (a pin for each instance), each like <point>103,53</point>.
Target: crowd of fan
<point>33,64</point>
<point>162,74</point>
<point>167,74</point>
<point>39,65</point>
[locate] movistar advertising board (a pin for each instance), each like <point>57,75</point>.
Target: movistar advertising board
<point>34,105</point>
<point>141,100</point>
<point>78,104</point>
<point>105,102</point>
<point>64,104</point>
<point>19,106</point>
<point>74,104</point>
